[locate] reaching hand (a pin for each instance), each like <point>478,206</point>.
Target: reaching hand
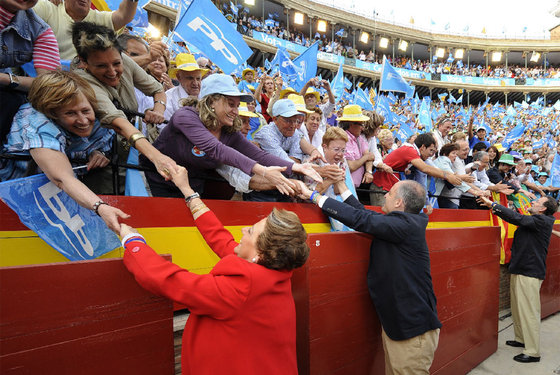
<point>153,117</point>
<point>484,201</point>
<point>305,193</point>
<point>111,216</point>
<point>454,179</point>
<point>97,160</point>
<point>307,170</point>
<point>125,230</point>
<point>275,177</point>
<point>316,154</point>
<point>164,165</point>
<point>180,177</point>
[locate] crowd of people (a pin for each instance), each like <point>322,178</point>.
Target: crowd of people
<point>344,46</point>
<point>193,127</point>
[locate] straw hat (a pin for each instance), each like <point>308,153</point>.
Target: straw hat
<point>310,91</point>
<point>186,62</point>
<point>244,110</point>
<point>285,92</point>
<point>247,70</point>
<point>353,112</point>
<point>299,102</point>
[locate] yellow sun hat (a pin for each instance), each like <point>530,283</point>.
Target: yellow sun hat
<point>299,102</point>
<point>244,110</point>
<point>353,112</point>
<point>186,62</point>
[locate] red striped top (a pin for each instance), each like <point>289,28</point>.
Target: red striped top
<point>45,48</point>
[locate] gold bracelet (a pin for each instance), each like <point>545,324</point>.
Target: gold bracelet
<point>135,137</point>
<point>199,209</point>
<point>197,206</point>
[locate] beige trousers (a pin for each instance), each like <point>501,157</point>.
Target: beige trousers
<point>526,312</point>
<point>410,357</point>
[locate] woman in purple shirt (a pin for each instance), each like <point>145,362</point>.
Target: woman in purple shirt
<point>205,133</point>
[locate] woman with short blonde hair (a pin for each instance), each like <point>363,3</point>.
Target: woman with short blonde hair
<point>245,301</point>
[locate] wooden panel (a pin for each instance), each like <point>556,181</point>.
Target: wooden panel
<point>550,290</point>
<point>82,318</point>
<point>344,334</point>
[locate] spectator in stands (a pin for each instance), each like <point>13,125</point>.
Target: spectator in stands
<point>479,167</point>
<point>189,76</point>
<point>371,131</point>
<point>113,77</point>
<point>248,83</point>
<point>493,155</point>
<point>528,269</point>
<point>246,299</point>
<point>386,142</point>
<point>399,278</point>
<point>443,126</point>
<point>139,51</point>
<point>24,38</point>
<point>311,131</point>
<point>414,154</point>
<point>158,69</point>
<point>360,160</point>
<point>205,134</point>
<point>313,99</point>
<point>61,17</point>
<point>263,94</point>
<point>502,172</point>
<point>58,129</point>
<point>479,136</point>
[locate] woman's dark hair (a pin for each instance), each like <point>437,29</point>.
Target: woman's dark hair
<point>282,245</point>
<point>88,37</point>
<point>448,149</point>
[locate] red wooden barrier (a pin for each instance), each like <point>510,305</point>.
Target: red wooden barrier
<point>550,289</point>
<point>82,318</point>
<point>338,329</point>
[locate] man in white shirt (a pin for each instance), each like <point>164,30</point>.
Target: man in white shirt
<point>62,16</point>
<point>313,99</point>
<point>189,76</point>
<point>443,126</point>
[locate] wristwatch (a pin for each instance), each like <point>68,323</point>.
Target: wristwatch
<point>14,81</point>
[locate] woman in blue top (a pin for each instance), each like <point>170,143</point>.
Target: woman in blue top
<point>56,125</point>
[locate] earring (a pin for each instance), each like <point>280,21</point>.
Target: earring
<point>254,260</point>
<point>212,109</point>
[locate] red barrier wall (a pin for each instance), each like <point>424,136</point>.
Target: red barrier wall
<point>82,318</point>
<point>338,329</point>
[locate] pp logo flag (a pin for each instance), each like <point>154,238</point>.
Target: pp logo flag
<point>206,28</point>
<point>75,232</point>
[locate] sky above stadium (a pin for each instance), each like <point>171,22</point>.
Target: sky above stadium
<point>499,18</point>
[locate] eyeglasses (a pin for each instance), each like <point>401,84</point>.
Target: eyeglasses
<point>292,120</point>
<point>338,150</point>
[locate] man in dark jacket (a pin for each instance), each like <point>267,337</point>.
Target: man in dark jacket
<point>527,268</point>
<point>399,278</point>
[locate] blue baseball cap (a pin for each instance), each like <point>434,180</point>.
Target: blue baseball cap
<point>222,84</point>
<point>535,169</point>
<point>543,174</point>
<point>285,108</point>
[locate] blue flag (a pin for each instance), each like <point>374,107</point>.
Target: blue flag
<point>424,115</point>
<point>269,23</point>
<point>383,108</point>
<point>140,17</point>
<point>391,80</point>
<point>555,171</point>
<point>347,84</point>
<point>337,84</point>
<point>205,27</point>
<point>288,70</point>
<point>362,99</point>
<point>307,63</point>
<point>513,135</point>
<point>340,33</point>
<point>74,231</point>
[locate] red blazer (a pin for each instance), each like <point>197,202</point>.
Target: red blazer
<point>243,318</point>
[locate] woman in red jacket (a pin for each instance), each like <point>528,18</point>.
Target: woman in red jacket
<point>243,318</point>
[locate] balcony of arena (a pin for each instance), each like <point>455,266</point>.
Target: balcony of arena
<point>476,65</point>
